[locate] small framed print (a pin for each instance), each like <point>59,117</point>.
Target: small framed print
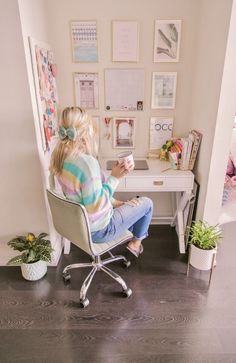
<point>107,122</point>
<point>167,40</point>
<point>125,41</point>
<point>164,89</point>
<point>160,131</point>
<point>86,90</point>
<point>124,132</point>
<point>84,41</point>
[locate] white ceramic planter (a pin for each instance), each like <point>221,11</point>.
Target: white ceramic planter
<point>34,271</point>
<point>201,259</point>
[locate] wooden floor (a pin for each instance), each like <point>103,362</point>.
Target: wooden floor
<point>169,318</point>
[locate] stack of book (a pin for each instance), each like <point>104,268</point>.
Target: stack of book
<point>183,153</point>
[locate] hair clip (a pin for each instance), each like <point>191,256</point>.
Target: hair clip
<point>69,132</point>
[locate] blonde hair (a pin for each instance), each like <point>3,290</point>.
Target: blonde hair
<point>85,142</point>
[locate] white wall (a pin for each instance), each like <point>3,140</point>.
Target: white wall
<point>22,206</point>
<point>223,131</point>
<point>35,22</point>
<point>208,68</point>
<point>203,42</point>
<point>145,12</point>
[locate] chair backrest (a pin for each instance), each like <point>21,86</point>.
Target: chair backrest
<point>71,221</point>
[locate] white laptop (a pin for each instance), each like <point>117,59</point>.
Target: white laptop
<point>139,164</point>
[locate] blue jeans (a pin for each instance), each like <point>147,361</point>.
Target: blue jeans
<point>134,215</point>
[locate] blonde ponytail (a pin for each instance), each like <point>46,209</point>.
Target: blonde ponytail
<point>84,143</point>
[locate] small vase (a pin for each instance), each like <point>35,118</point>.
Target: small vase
<point>201,259</point>
<point>34,271</point>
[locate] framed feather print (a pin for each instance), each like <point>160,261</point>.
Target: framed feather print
<point>167,40</point>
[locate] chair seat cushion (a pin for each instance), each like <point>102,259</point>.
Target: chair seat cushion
<point>100,248</point>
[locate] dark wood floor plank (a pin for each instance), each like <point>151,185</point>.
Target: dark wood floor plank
<point>112,341</point>
<point>169,318</point>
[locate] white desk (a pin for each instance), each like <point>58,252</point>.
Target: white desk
<point>160,178</point>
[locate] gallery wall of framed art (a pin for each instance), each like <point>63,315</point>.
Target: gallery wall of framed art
<point>126,89</point>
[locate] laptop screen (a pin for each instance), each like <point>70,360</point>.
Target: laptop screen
<point>139,164</point>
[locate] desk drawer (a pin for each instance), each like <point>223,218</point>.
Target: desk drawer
<point>159,183</point>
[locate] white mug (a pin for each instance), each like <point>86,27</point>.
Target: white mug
<point>126,157</point>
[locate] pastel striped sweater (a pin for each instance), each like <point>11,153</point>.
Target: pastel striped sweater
<point>81,181</point>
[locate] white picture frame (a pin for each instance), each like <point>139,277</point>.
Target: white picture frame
<point>86,90</point>
<point>124,132</point>
<point>161,129</point>
<point>124,89</point>
<point>167,38</point>
<point>125,41</point>
<point>84,41</point>
<point>163,90</point>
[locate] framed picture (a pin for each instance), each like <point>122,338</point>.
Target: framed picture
<point>160,131</point>
<point>124,132</point>
<point>164,89</point>
<point>86,90</point>
<point>125,41</point>
<point>107,122</point>
<point>124,89</point>
<point>84,41</point>
<point>96,123</point>
<point>44,72</point>
<point>167,40</point>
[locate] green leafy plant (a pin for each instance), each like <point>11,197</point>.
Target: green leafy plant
<point>33,248</point>
<point>165,149</point>
<point>203,235</point>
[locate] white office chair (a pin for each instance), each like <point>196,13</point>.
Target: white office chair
<point>71,221</point>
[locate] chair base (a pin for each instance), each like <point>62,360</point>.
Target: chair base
<point>97,265</point>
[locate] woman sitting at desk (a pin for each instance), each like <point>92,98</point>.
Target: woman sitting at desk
<point>74,163</point>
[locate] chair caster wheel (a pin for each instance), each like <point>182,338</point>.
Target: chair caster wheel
<point>84,303</point>
<point>66,277</point>
<point>128,292</point>
<point>127,264</point>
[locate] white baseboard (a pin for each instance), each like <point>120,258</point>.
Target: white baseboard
<point>162,220</point>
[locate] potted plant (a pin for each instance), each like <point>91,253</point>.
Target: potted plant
<point>36,252</point>
<point>203,239</point>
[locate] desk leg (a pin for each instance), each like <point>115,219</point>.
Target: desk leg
<point>66,246</point>
<point>174,202</point>
<point>180,231</point>
<point>179,219</point>
<point>177,199</point>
